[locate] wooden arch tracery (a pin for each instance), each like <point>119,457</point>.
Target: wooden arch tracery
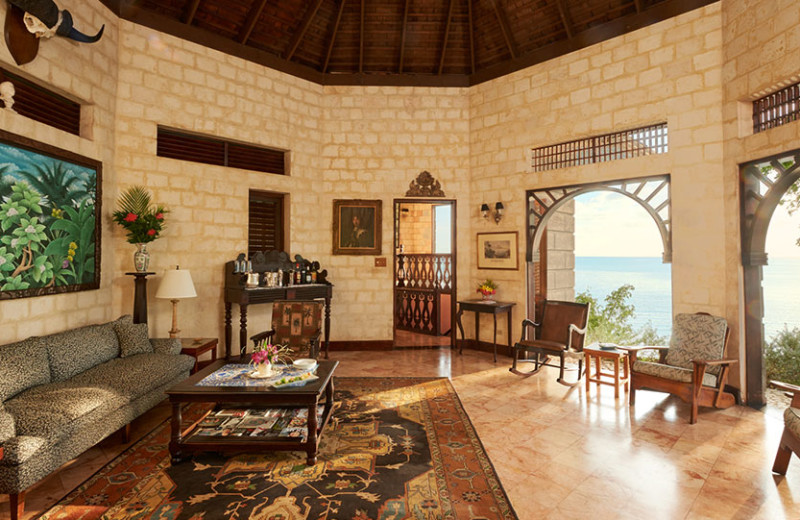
<point>762,185</point>
<point>652,193</point>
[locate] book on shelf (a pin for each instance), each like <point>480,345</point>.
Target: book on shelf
<point>262,423</point>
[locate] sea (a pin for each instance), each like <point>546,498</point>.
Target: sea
<point>652,298</point>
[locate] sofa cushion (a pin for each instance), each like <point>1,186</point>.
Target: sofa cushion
<point>133,338</point>
<point>19,449</point>
<point>22,365</point>
<point>57,410</point>
<point>671,372</point>
<point>696,336</point>
<point>134,376</point>
<point>73,351</point>
<point>166,345</point>
<point>7,429</point>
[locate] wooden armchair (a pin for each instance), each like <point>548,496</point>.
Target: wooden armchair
<point>296,323</point>
<point>561,333</point>
<point>790,440</point>
<point>692,367</point>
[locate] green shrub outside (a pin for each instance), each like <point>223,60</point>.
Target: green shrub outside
<point>782,356</point>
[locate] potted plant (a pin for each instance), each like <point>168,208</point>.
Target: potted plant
<point>142,220</point>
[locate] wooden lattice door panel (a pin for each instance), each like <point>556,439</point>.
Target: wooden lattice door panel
<point>425,271</point>
<point>416,311</point>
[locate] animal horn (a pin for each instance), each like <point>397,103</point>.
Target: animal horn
<point>67,30</point>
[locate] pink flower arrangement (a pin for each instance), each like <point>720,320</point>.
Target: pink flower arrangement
<point>266,352</point>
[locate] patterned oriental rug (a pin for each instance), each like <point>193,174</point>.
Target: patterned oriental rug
<point>396,448</point>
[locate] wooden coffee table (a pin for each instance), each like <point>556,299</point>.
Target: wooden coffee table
<point>308,396</point>
<point>617,356</point>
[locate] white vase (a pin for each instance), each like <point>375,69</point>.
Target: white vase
<point>264,369</point>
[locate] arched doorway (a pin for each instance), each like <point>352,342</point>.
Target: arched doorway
<point>651,193</point>
<point>762,185</point>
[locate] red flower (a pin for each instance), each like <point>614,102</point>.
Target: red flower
<point>159,216</point>
<point>151,232</point>
<point>130,217</point>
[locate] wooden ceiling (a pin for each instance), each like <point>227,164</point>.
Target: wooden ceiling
<point>398,42</point>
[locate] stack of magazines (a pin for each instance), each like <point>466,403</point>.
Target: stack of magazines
<point>266,423</point>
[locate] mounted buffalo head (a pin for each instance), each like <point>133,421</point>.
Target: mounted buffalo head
<point>41,18</point>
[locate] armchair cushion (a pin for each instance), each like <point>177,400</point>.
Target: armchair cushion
<point>297,324</point>
<point>672,372</point>
<point>543,344</point>
<point>696,336</point>
<point>791,419</point>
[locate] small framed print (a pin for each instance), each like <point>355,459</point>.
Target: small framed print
<point>357,227</point>
<point>498,250</point>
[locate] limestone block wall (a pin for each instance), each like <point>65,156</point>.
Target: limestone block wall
<point>86,74</point>
<point>416,228</point>
<point>376,140</point>
<point>761,50</point>
<point>670,71</point>
<point>167,81</point>
<point>561,254</point>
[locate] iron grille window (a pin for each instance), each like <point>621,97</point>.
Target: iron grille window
<point>220,152</point>
<point>38,103</point>
<point>647,140</point>
<point>265,226</point>
<point>777,109</point>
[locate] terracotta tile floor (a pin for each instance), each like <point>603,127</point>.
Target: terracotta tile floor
<point>562,454</point>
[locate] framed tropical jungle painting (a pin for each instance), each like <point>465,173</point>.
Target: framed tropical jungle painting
<point>49,219</point>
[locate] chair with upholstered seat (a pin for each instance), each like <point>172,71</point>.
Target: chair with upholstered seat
<point>561,333</point>
<point>297,324</point>
<point>692,367</point>
<point>790,440</point>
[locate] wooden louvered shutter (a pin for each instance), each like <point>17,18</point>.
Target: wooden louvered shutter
<point>265,230</point>
<point>40,104</point>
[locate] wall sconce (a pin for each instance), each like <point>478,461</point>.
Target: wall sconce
<point>498,211</point>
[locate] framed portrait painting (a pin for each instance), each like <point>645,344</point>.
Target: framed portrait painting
<point>498,250</point>
<point>49,217</point>
<point>356,227</point>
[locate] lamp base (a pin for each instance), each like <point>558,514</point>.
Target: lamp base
<point>173,333</point>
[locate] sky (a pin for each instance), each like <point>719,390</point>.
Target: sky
<point>609,224</point>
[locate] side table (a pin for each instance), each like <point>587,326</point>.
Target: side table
<point>484,306</point>
<point>616,355</point>
<point>196,347</point>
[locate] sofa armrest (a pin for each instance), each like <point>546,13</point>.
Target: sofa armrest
<point>166,345</point>
<point>7,427</point>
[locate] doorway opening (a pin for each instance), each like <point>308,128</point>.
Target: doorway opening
<point>424,281</point>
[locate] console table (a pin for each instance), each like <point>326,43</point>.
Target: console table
<point>244,297</point>
<point>484,306</point>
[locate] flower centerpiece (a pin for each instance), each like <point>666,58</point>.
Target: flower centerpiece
<point>487,288</point>
<point>142,220</point>
<point>265,354</point>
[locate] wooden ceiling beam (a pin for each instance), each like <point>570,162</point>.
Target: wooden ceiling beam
<point>252,18</point>
<point>446,35</point>
<point>504,27</point>
<point>333,36</point>
<point>562,11</point>
<point>403,37</point>
<point>298,36</point>
<point>361,41</point>
<point>471,38</point>
<point>189,17</point>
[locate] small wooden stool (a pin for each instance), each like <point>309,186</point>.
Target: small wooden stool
<point>616,355</point>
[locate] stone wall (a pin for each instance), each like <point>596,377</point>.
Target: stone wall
<point>416,227</point>
<point>561,254</point>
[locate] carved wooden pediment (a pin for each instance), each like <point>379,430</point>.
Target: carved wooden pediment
<point>424,186</point>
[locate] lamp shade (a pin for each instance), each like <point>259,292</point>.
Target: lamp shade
<point>484,207</point>
<point>176,284</point>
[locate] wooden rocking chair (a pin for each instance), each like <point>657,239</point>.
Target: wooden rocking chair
<point>561,333</point>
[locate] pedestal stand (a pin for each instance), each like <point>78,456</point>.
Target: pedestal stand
<point>140,296</point>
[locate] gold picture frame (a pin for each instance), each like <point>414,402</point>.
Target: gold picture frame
<point>498,250</point>
<point>357,227</point>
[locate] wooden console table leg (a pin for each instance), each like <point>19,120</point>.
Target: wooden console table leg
<point>461,328</point>
<point>228,331</point>
<point>242,330</point>
<point>494,337</point>
<point>616,378</point>
<point>176,434</point>
<point>327,325</point>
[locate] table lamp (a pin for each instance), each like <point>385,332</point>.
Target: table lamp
<point>176,284</point>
